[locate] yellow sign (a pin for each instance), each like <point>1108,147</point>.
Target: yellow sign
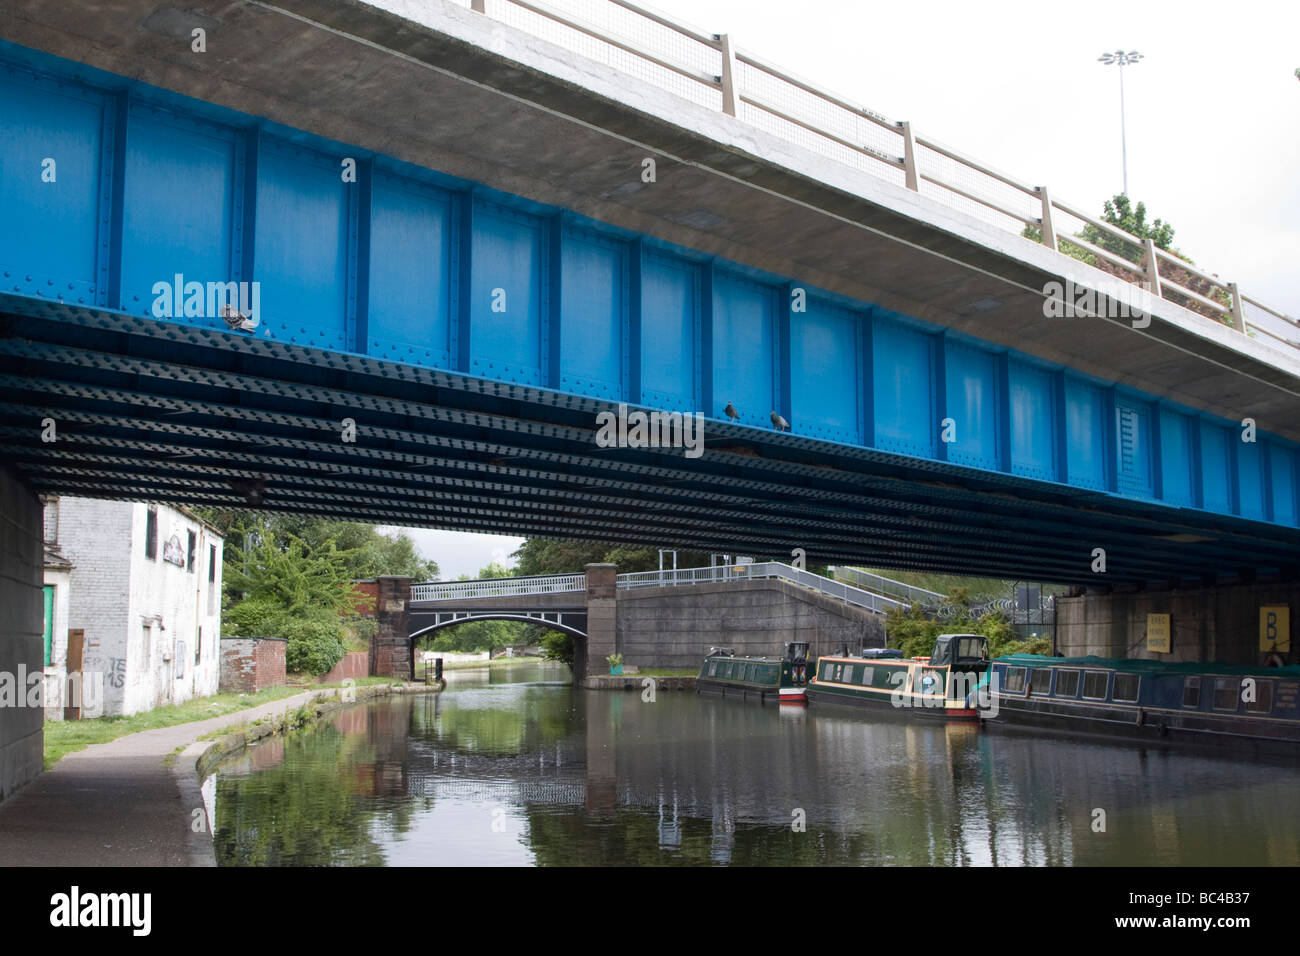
<point>1158,633</point>
<point>1275,628</point>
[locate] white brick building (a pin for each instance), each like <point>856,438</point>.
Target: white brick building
<point>142,583</point>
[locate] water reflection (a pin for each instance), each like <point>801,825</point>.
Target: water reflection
<point>517,767</point>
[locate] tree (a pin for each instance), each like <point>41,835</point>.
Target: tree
<point>290,594</point>
<point>1120,213</point>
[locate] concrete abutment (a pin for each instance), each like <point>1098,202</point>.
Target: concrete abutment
<point>22,624</point>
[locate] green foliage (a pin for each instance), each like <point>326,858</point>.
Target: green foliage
<point>557,646</point>
<point>913,633</point>
<point>290,577</point>
<point>315,644</point>
<point>1119,212</point>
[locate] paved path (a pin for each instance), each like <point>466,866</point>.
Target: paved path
<point>119,804</point>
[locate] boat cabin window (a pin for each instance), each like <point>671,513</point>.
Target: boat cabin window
<point>826,671</point>
<point>1015,680</point>
<point>847,677</point>
<point>1263,701</point>
<point>1192,692</point>
<point>1225,693</point>
<point>1126,688</point>
<point>1040,680</point>
<point>868,675</point>
<point>970,648</point>
<point>713,668</point>
<point>1094,684</point>
<point>1067,683</point>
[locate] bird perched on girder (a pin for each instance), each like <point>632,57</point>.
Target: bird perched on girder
<point>779,423</point>
<point>730,411</point>
<point>238,321</point>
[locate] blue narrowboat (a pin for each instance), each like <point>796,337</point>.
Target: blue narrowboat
<point>1214,704</point>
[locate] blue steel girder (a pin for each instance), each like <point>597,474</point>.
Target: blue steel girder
<point>473,337</point>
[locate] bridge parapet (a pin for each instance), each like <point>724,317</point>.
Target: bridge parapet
<point>470,591</point>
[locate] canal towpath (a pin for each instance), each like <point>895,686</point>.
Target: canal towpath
<point>122,803</point>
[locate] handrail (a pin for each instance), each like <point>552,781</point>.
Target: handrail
<point>757,571</point>
<point>888,586</point>
<point>569,583</point>
<point>498,587</point>
<point>728,81</point>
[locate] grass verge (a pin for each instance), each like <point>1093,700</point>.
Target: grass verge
<point>63,737</point>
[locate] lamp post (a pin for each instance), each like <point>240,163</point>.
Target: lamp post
<point>1121,59</point>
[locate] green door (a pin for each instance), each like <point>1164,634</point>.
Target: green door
<point>49,621</point>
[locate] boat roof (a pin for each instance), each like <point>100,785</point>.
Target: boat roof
<point>1139,666</point>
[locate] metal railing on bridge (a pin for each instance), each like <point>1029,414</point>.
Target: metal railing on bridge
<point>498,587</point>
<point>888,586</point>
<point>710,70</point>
<point>756,571</point>
<point>560,583</point>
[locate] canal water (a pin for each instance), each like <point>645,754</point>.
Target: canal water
<point>515,766</point>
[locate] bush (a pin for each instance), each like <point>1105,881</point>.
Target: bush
<point>557,646</point>
<point>315,645</point>
<point>256,617</point>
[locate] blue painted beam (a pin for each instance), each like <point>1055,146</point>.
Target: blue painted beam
<point>154,192</point>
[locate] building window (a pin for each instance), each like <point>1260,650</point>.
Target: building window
<point>1263,701</point>
<point>191,551</point>
<point>1067,683</point>
<point>1225,693</point>
<point>1015,680</point>
<point>1126,688</point>
<point>212,564</point>
<point>1094,684</point>
<point>151,534</point>
<point>1040,680</point>
<point>49,622</point>
<point>1192,692</point>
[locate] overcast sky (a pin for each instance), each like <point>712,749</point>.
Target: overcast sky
<point>1213,108</point>
<point>1213,116</point>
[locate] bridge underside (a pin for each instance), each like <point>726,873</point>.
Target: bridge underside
<point>156,410</point>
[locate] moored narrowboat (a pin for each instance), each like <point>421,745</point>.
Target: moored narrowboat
<point>944,685</point>
<point>758,678</point>
<point>1202,704</point>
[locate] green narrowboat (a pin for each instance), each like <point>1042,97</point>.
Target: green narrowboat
<point>729,674</point>
<point>943,685</point>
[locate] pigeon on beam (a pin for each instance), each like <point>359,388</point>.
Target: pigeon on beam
<point>779,423</point>
<point>238,321</point>
<point>730,412</point>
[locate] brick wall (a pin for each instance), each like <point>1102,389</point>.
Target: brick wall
<point>367,602</point>
<point>249,664</point>
<point>353,666</point>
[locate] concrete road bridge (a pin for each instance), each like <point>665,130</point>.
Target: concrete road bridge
<point>419,265</point>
